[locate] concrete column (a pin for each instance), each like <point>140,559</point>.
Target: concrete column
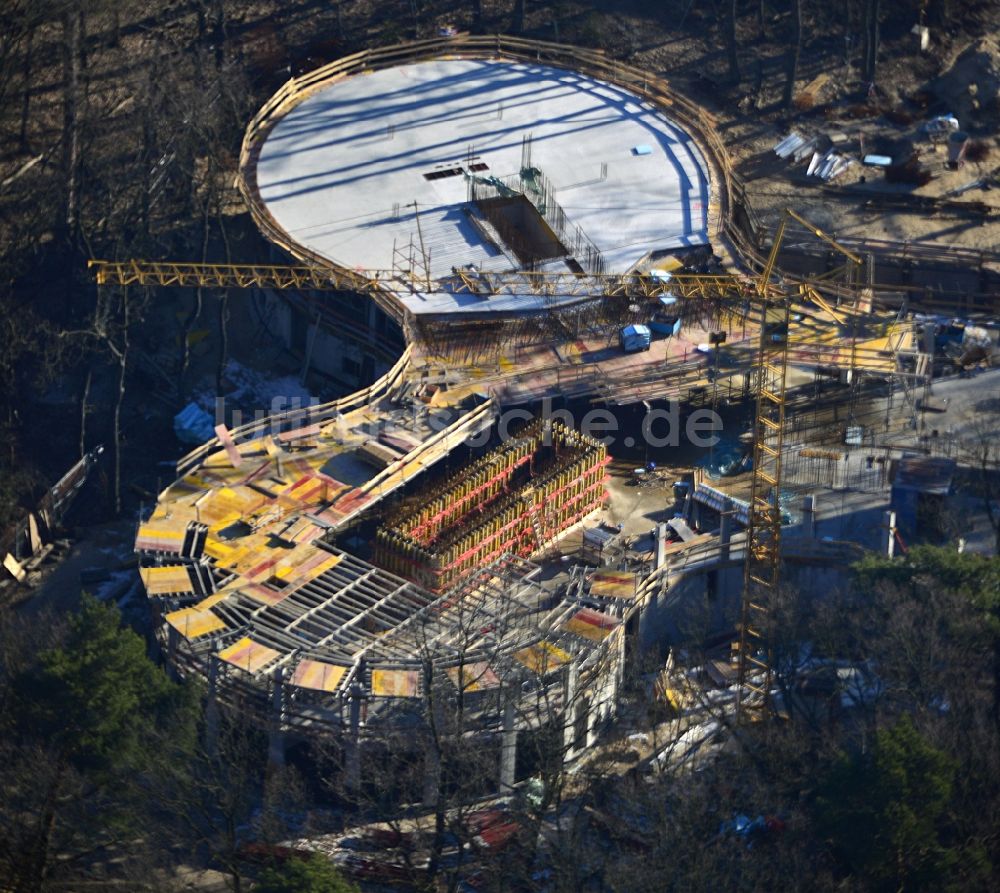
<point>569,709</point>
<point>619,668</point>
<point>276,734</point>
<point>809,515</point>
<point>593,706</point>
<point>173,639</point>
<point>432,771</point>
<point>352,743</point>
<point>211,702</point>
<point>725,530</point>
<point>508,745</point>
<point>889,533</point>
<point>660,545</point>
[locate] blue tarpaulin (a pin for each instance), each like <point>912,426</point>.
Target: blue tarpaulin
<point>193,425</point>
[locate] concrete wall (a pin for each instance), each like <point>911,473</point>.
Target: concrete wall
<point>695,606</point>
<point>333,356</point>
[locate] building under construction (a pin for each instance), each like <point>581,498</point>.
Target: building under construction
<point>513,501</point>
<point>505,206</point>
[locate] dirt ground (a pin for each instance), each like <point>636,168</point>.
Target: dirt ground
<point>958,74</point>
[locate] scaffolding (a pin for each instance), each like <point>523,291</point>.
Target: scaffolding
<point>513,501</point>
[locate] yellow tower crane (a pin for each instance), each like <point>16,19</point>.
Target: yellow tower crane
<point>762,550</point>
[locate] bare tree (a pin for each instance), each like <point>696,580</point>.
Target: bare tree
<point>732,8</point>
<point>72,43</point>
<point>870,38</point>
<point>794,50</point>
<point>519,16</point>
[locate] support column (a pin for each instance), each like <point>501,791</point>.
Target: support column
<point>211,703</point>
<point>432,771</point>
<point>276,733</point>
<point>725,529</point>
<point>569,710</point>
<point>307,362</point>
<point>352,743</point>
<point>619,669</point>
<point>173,640</point>
<point>508,745</point>
<point>889,534</point>
<point>593,705</point>
<point>809,515</point>
<point>660,545</point>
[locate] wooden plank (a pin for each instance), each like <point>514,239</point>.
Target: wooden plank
<point>34,538</point>
<point>14,567</point>
<point>226,439</point>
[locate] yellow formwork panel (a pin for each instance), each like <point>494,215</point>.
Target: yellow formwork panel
<point>587,629</point>
<point>542,657</point>
<point>396,683</point>
<point>317,675</point>
<point>224,554</point>
<point>166,580</point>
<point>160,536</point>
<point>193,623</point>
<point>613,584</point>
<point>248,655</point>
<point>215,598</point>
<point>473,677</point>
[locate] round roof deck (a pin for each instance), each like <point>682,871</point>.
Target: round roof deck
<point>350,171</point>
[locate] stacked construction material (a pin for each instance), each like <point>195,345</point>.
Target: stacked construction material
<point>514,500</point>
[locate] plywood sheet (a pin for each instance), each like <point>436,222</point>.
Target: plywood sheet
<point>166,580</point>
<point>248,655</point>
<point>396,683</point>
<point>193,622</point>
<point>542,657</point>
<point>317,675</point>
<point>613,584</point>
<point>473,677</point>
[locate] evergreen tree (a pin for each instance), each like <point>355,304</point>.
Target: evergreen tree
<point>89,724</point>
<point>314,875</point>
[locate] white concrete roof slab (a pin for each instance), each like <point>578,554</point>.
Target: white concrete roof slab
<point>340,173</point>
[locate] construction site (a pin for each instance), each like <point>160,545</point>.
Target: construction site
<point>515,212</point>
